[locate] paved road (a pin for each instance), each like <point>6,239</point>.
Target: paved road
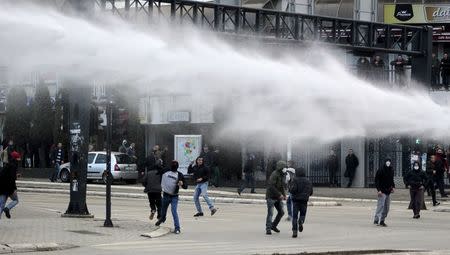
<point>236,229</point>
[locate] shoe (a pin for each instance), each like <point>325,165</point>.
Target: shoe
<point>294,234</point>
<point>288,218</point>
<point>383,224</point>
<point>199,214</point>
<point>152,215</point>
<point>416,216</point>
<point>436,204</point>
<point>375,222</point>
<point>7,214</point>
<point>177,231</point>
<point>253,192</point>
<point>268,232</point>
<point>213,211</point>
<point>275,229</point>
<point>444,196</point>
<point>300,227</point>
<point>158,223</point>
<point>239,192</point>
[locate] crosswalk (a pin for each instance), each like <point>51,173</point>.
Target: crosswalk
<point>168,246</point>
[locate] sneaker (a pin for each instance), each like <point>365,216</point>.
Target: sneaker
<point>375,222</point>
<point>383,224</point>
<point>152,215</point>
<point>239,191</point>
<point>213,211</point>
<point>294,234</point>
<point>444,196</point>
<point>7,214</point>
<point>300,227</point>
<point>158,223</point>
<point>416,216</point>
<point>275,229</point>
<point>268,232</point>
<point>177,231</point>
<point>199,214</point>
<point>253,192</point>
<point>436,204</point>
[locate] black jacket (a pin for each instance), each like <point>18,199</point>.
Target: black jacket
<point>199,172</point>
<point>332,163</point>
<point>249,166</point>
<point>301,187</point>
<point>152,181</point>
<point>445,65</point>
<point>276,183</point>
<point>351,162</point>
<point>384,180</point>
<point>8,178</point>
<point>415,179</point>
<point>399,66</point>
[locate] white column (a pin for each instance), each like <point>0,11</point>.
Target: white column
<point>365,10</point>
<point>297,6</point>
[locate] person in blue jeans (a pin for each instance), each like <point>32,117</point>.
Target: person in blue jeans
<point>171,181</point>
<point>201,175</point>
<point>301,189</point>
<point>8,186</point>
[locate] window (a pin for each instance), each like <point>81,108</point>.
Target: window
<point>123,159</point>
<point>101,159</point>
<point>91,157</point>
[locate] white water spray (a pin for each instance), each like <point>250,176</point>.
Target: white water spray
<point>287,97</point>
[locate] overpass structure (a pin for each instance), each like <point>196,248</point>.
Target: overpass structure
<point>361,37</point>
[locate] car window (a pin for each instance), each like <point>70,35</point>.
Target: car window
<point>91,157</point>
<point>101,159</point>
<point>123,159</point>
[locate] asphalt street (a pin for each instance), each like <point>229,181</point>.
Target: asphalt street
<point>235,229</point>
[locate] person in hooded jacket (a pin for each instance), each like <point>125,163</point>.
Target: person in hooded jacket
<point>431,171</point>
<point>416,180</point>
<point>8,187</point>
<point>201,174</point>
<point>384,182</point>
<point>275,193</point>
<point>171,182</point>
<point>301,189</point>
<point>152,184</point>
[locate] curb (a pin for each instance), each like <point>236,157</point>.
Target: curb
<point>181,198</point>
<point>33,247</point>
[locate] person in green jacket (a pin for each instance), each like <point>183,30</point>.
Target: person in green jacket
<point>275,193</point>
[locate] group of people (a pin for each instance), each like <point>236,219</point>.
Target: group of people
<point>440,69</point>
<point>130,150</point>
<point>168,180</point>
<point>416,180</point>
<point>375,69</point>
<point>8,174</point>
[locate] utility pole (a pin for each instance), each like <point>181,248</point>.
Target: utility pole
<point>109,179</point>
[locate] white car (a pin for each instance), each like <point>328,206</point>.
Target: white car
<point>123,167</point>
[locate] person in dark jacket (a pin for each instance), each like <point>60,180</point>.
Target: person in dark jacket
<point>378,68</point>
<point>249,175</point>
<point>301,189</point>
<point>8,187</point>
<point>445,70</point>
<point>432,167</point>
<point>57,158</point>
<point>416,180</point>
<point>442,167</point>
<point>201,175</point>
<point>351,162</point>
<point>275,193</point>
<point>171,182</point>
<point>333,167</point>
<point>435,66</point>
<point>399,68</point>
<point>384,182</point>
<point>362,67</point>
<point>152,184</point>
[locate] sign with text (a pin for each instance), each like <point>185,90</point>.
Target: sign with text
<point>416,13</point>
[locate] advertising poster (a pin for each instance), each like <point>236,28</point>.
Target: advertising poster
<point>187,149</point>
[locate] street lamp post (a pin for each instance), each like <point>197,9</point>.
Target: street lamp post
<point>109,179</point>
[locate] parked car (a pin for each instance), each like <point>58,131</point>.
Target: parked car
<point>123,167</point>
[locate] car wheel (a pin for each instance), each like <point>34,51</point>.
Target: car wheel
<point>64,175</point>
